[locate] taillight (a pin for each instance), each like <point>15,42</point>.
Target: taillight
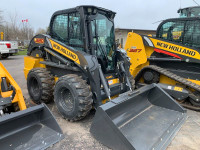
<point>8,45</point>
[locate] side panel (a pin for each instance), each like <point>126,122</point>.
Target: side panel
<point>30,63</point>
<point>137,52</point>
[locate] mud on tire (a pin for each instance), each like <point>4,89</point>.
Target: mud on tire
<point>73,97</point>
<point>40,85</point>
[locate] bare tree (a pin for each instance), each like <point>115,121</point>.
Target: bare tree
<point>1,18</point>
<point>17,30</point>
<point>14,29</point>
<point>41,31</point>
<point>13,26</point>
<point>27,31</point>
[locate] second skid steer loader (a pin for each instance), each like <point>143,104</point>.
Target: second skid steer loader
<point>171,59</point>
<point>23,128</point>
<point>78,65</point>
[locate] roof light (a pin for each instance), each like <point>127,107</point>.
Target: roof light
<point>89,10</point>
<point>95,11</point>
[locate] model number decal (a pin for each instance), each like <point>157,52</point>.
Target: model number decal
<point>178,89</point>
<point>134,49</point>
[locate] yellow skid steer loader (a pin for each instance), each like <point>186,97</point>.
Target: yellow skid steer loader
<point>23,128</point>
<point>79,57</point>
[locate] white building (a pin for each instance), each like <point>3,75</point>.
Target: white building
<point>121,34</point>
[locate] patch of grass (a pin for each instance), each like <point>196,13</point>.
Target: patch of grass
<point>22,52</point>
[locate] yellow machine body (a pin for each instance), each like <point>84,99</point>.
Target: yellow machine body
<point>30,63</point>
<point>33,62</point>
<point>139,54</point>
<point>19,99</point>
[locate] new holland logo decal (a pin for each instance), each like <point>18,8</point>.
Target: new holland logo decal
<point>174,48</point>
<point>177,49</point>
<point>66,52</point>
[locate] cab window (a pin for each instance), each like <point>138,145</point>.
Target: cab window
<point>192,34</point>
<point>172,31</point>
<point>67,29</point>
<point>60,28</point>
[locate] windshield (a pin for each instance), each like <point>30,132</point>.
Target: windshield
<point>103,38</point>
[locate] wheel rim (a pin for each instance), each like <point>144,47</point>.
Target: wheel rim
<point>67,99</point>
<point>35,88</point>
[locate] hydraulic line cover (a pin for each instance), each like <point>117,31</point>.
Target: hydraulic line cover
<point>33,128</point>
<point>145,119</point>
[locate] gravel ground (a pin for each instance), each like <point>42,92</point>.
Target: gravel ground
<point>77,135</point>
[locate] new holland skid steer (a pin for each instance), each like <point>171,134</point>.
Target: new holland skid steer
<point>78,65</point>
<point>23,128</point>
<point>172,59</point>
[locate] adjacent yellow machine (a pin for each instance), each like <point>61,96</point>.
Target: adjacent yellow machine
<point>23,128</point>
<point>10,90</point>
<point>170,59</point>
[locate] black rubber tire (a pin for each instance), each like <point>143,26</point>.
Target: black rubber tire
<point>4,56</point>
<point>73,97</point>
<point>40,85</point>
<point>151,76</point>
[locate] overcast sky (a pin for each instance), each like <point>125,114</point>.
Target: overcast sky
<point>137,14</point>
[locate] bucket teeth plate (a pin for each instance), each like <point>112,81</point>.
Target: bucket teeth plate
<point>146,119</point>
<point>33,128</point>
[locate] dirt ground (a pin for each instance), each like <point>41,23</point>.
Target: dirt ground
<point>77,135</point>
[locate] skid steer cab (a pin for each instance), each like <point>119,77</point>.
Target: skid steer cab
<point>78,65</point>
<point>23,128</point>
